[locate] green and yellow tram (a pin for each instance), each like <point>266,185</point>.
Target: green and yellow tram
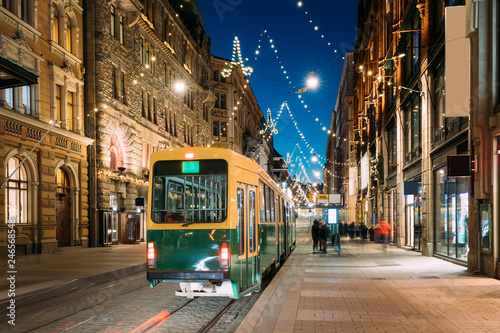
<point>216,222</point>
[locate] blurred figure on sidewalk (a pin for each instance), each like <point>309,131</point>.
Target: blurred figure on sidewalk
<point>324,232</point>
<point>315,235</point>
<point>383,230</point>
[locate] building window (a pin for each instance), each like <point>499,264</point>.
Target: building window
<point>393,149</point>
<point>71,111</point>
<point>216,75</point>
<point>174,124</point>
<point>143,105</point>
<point>165,26</point>
<point>26,6</point>
<point>205,112</point>
<point>68,34</point>
<point>142,50</point>
<point>122,90</point>
<point>155,111</point>
<point>168,75</point>
<point>148,58</point>
<point>412,49</point>
<point>59,108</point>
<point>219,130</point>
<point>167,119</point>
<point>117,25</point>
<point>9,97</point>
<point>55,27</point>
<point>412,132</point>
<point>21,99</point>
<point>451,226</point>
<point>17,192</point>
<point>122,29</point>
<point>26,98</point>
<point>7,4</point>
<point>118,84</point>
<point>114,81</point>
<point>113,21</point>
<point>221,101</point>
<point>439,104</point>
<point>150,107</point>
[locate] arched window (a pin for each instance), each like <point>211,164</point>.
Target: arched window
<point>55,26</point>
<point>17,192</point>
<point>62,181</point>
<point>69,38</point>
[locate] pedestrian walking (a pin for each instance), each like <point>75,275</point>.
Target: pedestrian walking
<point>383,230</point>
<point>315,235</point>
<point>324,232</point>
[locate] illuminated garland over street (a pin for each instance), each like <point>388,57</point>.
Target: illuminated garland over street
<point>247,71</point>
<point>285,73</point>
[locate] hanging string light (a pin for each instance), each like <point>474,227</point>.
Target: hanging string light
<point>265,33</point>
<point>316,28</point>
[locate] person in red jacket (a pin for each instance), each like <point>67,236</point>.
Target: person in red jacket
<point>383,230</point>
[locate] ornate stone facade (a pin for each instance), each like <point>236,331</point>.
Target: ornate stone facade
<point>43,152</point>
<point>141,57</point>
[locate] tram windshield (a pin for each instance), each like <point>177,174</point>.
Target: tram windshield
<point>189,191</point>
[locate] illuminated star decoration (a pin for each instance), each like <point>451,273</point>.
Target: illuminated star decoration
<point>247,70</point>
<point>270,125</point>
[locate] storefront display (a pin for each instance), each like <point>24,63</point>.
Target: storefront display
<point>452,209</point>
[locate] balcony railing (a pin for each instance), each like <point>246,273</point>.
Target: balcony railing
<point>453,126</point>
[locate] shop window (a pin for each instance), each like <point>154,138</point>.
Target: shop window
<point>17,192</point>
<point>452,208</point>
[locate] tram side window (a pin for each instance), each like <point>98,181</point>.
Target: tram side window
<point>159,201</point>
<point>268,204</point>
<point>251,221</point>
<point>262,201</point>
<point>241,220</point>
<point>273,208</point>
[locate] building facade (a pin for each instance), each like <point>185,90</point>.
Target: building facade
<point>482,26</point>
<point>340,169</point>
<point>237,120</point>
<point>407,133</point>
<point>148,88</point>
<point>43,147</point>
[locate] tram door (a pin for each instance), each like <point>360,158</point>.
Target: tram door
<point>284,230</point>
<point>247,236</point>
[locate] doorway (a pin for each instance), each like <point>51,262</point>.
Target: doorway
<point>63,208</point>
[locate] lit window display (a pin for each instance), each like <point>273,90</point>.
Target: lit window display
<point>452,208</point>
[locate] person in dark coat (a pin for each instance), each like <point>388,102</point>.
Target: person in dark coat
<point>315,235</point>
<point>324,232</point>
<point>351,230</point>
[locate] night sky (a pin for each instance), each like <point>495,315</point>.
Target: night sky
<point>300,50</point>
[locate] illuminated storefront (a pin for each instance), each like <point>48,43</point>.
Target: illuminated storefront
<point>451,218</point>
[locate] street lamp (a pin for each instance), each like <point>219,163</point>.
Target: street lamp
<point>179,87</point>
<point>312,81</point>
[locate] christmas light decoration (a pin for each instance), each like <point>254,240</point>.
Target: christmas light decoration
<point>237,60</point>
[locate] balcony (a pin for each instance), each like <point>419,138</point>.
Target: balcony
<point>453,127</point>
